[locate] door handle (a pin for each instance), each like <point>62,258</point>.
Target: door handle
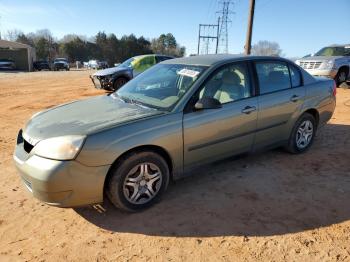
<point>294,98</point>
<point>248,109</point>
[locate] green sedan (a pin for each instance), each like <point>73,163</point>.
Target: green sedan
<point>176,116</point>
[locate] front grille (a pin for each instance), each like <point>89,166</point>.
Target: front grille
<point>310,64</point>
<point>27,146</point>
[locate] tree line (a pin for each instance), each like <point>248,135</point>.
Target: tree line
<point>104,47</point>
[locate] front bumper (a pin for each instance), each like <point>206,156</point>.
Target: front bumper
<point>101,82</point>
<point>330,73</point>
<point>60,183</point>
<point>59,66</point>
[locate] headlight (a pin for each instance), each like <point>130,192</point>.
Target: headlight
<point>60,148</point>
<point>328,64</point>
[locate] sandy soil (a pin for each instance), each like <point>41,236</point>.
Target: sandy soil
<point>270,206</point>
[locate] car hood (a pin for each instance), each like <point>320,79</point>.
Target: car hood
<point>319,58</point>
<point>84,117</point>
<point>111,71</point>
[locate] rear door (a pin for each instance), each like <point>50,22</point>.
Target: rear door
<point>216,133</point>
<point>281,95</point>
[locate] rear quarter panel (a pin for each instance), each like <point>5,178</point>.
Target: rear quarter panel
<point>319,96</point>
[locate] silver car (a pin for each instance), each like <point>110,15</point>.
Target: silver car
<point>172,118</point>
<point>332,61</point>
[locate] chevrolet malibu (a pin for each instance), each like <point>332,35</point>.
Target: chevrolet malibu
<point>172,118</point>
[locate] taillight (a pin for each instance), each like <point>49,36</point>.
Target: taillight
<point>334,88</point>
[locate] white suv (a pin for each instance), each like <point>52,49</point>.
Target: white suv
<point>332,61</point>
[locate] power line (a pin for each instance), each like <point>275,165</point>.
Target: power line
<point>208,34</point>
<point>225,20</point>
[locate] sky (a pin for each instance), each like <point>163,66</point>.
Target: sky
<point>300,27</point>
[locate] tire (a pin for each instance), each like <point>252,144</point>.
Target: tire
<point>128,186</point>
<point>295,143</point>
<point>119,82</point>
<point>341,76</point>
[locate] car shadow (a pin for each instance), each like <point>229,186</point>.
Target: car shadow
<point>263,194</point>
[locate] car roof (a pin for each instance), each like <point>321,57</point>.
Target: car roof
<point>210,60</point>
<point>335,45</point>
<point>139,56</point>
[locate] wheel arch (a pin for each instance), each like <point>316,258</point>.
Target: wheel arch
<point>154,148</point>
<point>346,67</point>
<point>121,76</point>
<point>314,113</point>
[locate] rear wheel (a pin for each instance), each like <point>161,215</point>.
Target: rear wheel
<point>138,181</point>
<point>119,82</point>
<point>341,76</point>
<point>302,135</point>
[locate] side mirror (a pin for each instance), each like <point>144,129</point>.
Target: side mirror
<point>207,103</point>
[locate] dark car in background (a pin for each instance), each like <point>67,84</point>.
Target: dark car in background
<point>112,79</point>
<point>41,65</point>
<point>60,64</point>
<point>7,64</point>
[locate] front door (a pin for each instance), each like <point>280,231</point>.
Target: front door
<point>212,134</point>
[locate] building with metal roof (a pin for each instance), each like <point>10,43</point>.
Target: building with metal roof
<point>23,55</point>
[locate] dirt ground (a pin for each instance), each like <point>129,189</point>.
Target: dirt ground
<point>269,206</point>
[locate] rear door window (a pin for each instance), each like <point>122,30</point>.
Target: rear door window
<point>272,76</point>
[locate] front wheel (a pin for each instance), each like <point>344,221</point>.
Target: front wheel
<point>138,181</point>
<point>119,82</point>
<point>341,76</point>
<point>302,135</point>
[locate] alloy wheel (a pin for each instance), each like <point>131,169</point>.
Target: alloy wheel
<point>304,134</point>
<point>342,77</point>
<point>142,183</point>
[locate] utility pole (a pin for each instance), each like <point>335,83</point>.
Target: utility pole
<point>225,20</point>
<point>205,34</point>
<point>248,43</point>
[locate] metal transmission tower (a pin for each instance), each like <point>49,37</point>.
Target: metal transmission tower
<point>208,33</point>
<point>225,20</point>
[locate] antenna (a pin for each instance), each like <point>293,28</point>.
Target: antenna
<point>225,20</point>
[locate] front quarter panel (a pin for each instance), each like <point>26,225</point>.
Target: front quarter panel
<point>164,131</point>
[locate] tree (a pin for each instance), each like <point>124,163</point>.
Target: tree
<point>266,48</point>
<point>74,50</point>
<point>167,45</point>
<point>22,38</point>
<point>13,34</point>
<point>42,48</point>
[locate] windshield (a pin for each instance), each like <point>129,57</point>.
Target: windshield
<point>334,51</point>
<point>60,60</point>
<point>160,87</point>
<point>127,63</point>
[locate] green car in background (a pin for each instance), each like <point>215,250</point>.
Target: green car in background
<point>172,118</point>
<point>111,79</point>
